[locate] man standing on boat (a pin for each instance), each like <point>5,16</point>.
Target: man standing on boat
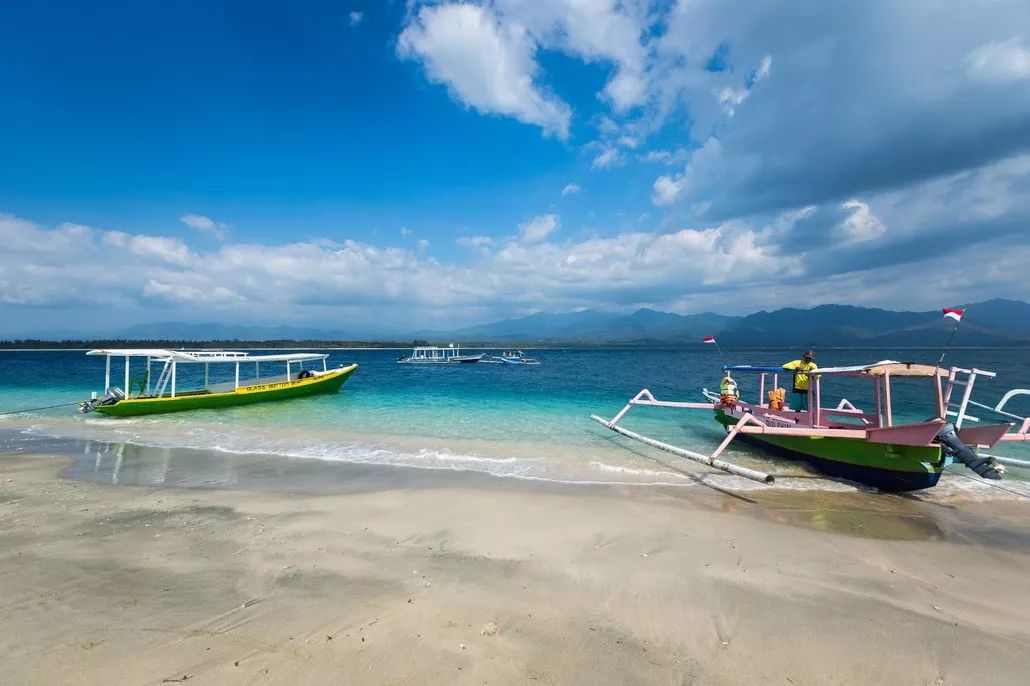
<point>800,367</point>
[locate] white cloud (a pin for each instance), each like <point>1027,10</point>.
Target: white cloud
<point>607,159</point>
<point>423,245</point>
<point>206,225</point>
<point>594,30</point>
<point>356,18</point>
<point>764,68</point>
<point>539,228</point>
<point>1007,60</point>
<point>677,156</point>
<point>474,241</point>
<point>405,231</point>
<point>666,191</point>
<point>862,225</point>
<point>571,189</point>
<point>486,64</point>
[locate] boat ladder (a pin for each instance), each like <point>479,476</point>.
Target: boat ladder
<point>964,378</point>
<point>162,379</point>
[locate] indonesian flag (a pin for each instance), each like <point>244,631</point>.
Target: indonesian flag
<point>708,339</point>
<point>953,313</point>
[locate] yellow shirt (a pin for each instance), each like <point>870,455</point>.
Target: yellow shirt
<point>800,378</point>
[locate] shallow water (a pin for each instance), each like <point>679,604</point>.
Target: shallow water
<point>522,422</point>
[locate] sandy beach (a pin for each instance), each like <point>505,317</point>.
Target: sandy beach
<point>466,581</point>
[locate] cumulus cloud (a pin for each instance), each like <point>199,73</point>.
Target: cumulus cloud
<point>666,191</point>
<point>571,189</point>
<point>861,225</point>
<point>486,64</point>
<point>539,228</point>
<point>356,18</point>
<point>821,118</point>
<point>205,224</point>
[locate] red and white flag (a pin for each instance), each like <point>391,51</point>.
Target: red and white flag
<point>953,313</point>
<point>708,339</point>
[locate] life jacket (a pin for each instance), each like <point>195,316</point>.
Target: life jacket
<point>777,397</point>
<point>728,392</point>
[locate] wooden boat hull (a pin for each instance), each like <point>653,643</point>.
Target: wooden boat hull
<point>324,383</point>
<point>886,466</point>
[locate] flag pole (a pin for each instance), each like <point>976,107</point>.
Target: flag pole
<point>711,339</point>
<point>950,338</point>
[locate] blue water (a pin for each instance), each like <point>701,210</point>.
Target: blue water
<point>528,422</point>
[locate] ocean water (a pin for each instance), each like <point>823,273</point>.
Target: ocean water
<point>507,421</point>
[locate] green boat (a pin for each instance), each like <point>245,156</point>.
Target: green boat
<point>166,393</point>
<point>843,441</point>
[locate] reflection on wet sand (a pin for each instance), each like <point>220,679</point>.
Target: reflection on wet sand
<point>909,517</point>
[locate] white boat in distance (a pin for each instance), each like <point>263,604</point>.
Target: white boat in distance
<point>431,354</point>
<point>510,357</point>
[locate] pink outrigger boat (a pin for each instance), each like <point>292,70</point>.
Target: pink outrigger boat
<point>847,442</point>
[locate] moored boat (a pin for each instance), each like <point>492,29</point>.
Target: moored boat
<point>431,354</point>
<point>844,441</point>
<point>167,393</point>
<point>516,357</point>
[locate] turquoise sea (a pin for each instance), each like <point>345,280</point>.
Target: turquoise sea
<point>507,421</point>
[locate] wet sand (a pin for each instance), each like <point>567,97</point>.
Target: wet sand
<point>383,576</point>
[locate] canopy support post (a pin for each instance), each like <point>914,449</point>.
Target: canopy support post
<point>128,391</point>
<point>107,373</point>
<point>147,390</point>
<point>173,378</point>
<point>237,377</point>
<point>287,370</point>
<point>879,403</point>
<point>207,370</point>
<point>940,396</point>
<point>887,398</point>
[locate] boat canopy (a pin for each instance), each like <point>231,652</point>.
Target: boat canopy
<point>876,369</point>
<point>206,356</point>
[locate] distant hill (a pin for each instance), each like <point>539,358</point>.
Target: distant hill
<point>993,322</point>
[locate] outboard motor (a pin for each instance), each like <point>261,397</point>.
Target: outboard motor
<point>112,396</point>
<point>952,445</point>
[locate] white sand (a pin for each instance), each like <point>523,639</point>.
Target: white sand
<point>127,585</point>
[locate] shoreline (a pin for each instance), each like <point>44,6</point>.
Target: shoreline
<point>469,584</point>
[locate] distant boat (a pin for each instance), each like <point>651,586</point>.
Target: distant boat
<point>431,354</point>
<point>166,394</point>
<point>513,357</point>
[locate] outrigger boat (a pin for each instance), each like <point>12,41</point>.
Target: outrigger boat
<point>430,354</point>
<point>168,395</point>
<point>516,357</point>
<point>847,442</point>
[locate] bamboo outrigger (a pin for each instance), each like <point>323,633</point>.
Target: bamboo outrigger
<point>167,395</point>
<point>847,442</point>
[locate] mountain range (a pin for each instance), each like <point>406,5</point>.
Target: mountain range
<point>993,322</point>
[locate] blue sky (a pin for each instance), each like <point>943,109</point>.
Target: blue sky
<point>395,165</point>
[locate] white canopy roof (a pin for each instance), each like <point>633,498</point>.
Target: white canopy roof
<point>884,367</point>
<point>196,356</point>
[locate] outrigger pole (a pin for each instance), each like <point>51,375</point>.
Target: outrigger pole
<point>644,397</point>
